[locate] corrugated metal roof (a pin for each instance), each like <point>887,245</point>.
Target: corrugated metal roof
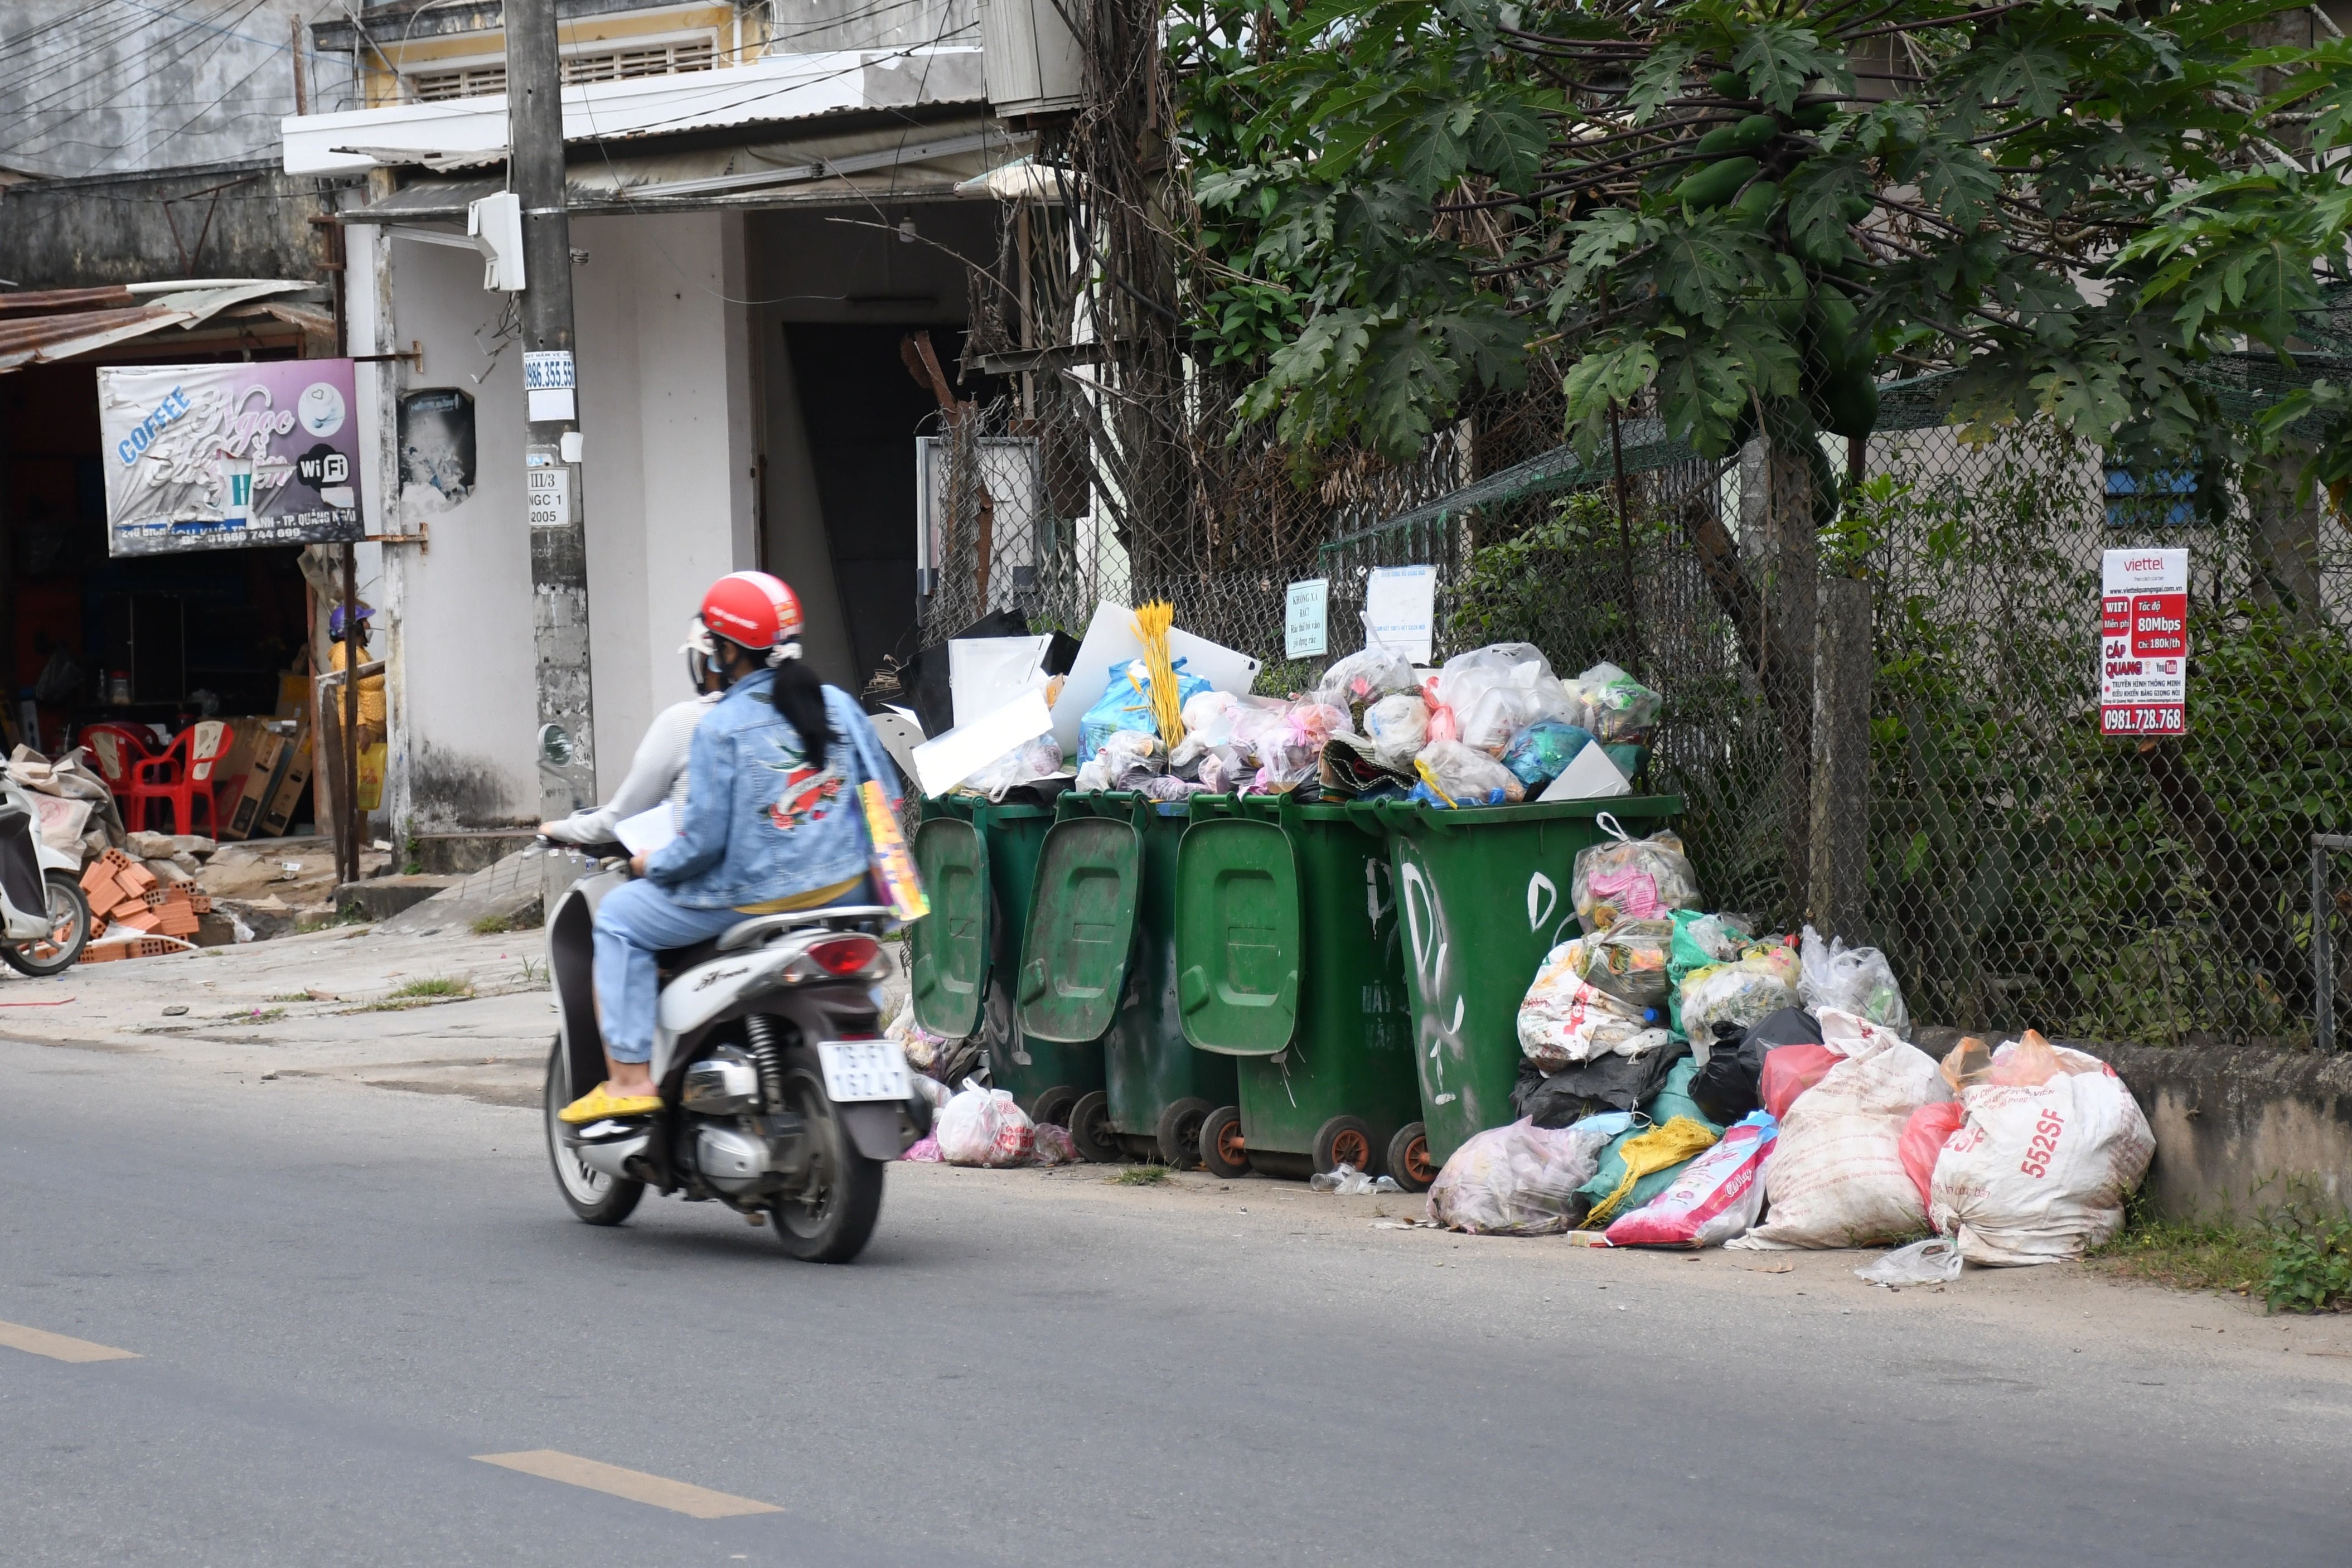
<point>38,328</point>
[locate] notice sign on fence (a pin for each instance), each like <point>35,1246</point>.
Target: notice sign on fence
<point>1306,619</point>
<point>2143,643</point>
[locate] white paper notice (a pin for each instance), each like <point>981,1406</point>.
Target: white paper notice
<point>1305,622</point>
<point>1400,609</point>
<point>548,402</point>
<point>649,830</point>
<point>547,496</point>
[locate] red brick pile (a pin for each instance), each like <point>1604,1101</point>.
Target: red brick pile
<point>144,917</point>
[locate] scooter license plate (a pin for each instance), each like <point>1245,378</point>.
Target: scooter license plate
<point>858,1070</point>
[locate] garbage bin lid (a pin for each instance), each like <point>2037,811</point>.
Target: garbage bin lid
<point>1081,924</point>
<point>1237,937</point>
<point>949,975</point>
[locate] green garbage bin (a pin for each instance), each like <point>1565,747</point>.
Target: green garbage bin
<point>1482,895</point>
<point>979,863</point>
<point>1290,960</point>
<point>1157,1089</point>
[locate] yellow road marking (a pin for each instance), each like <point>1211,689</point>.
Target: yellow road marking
<point>58,1347</point>
<point>635,1485</point>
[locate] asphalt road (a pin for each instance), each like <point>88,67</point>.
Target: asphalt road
<point>338,1298</point>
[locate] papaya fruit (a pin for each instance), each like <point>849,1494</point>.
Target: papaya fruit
<point>1742,136</point>
<point>1716,183</point>
<point>1756,203</point>
<point>1727,84</point>
<point>1811,116</point>
<point>1717,143</point>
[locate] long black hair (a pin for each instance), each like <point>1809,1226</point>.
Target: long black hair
<point>798,696</point>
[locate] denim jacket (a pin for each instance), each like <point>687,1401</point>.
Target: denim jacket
<point>759,823</point>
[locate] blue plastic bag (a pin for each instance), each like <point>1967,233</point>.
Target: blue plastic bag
<point>1541,752</point>
<point>1126,704</point>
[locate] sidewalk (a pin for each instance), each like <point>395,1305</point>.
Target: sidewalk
<point>326,1004</point>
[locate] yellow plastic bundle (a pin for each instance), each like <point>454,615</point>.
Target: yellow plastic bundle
<point>1151,623</point>
<point>1680,1139</point>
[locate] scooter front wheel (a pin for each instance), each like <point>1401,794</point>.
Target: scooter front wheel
<point>592,1196</point>
<point>68,913</point>
<point>832,1217</point>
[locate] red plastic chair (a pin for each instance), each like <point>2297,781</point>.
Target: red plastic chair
<point>180,778</point>
<point>115,750</point>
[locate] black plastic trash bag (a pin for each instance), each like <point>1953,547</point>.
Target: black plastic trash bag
<point>1726,1088</point>
<point>1606,1083</point>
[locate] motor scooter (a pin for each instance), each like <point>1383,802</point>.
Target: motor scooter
<point>44,914</point>
<point>781,1097</point>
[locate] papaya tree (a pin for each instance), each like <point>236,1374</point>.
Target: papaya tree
<point>1742,215</point>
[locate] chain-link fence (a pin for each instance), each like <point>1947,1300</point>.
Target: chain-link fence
<point>2020,867</point>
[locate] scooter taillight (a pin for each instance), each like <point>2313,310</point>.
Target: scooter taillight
<point>845,954</point>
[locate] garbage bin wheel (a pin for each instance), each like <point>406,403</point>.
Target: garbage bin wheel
<point>1343,1140</point>
<point>1090,1130</point>
<point>1409,1161</point>
<point>1223,1152</point>
<point>1054,1104</point>
<point>1180,1132</point>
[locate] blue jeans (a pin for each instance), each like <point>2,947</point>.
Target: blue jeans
<point>633,925</point>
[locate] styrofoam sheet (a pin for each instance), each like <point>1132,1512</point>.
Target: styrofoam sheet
<point>942,763</point>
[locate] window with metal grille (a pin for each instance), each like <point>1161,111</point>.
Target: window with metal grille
<point>467,81</point>
<point>641,59</point>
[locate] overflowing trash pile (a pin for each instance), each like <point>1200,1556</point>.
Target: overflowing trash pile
<point>1170,716</point>
<point>1690,1082</point>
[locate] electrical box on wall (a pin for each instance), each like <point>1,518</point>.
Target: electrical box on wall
<point>495,223</point>
<point>1033,58</point>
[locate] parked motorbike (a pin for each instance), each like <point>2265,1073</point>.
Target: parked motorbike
<point>43,915</point>
<point>781,1097</point>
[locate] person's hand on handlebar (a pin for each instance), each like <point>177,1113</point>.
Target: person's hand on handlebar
<point>636,865</point>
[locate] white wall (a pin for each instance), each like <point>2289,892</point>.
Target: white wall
<point>667,417</point>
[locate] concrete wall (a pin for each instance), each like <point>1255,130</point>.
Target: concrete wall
<point>242,220</point>
<point>667,415</point>
<point>2229,1123</point>
<point>91,89</point>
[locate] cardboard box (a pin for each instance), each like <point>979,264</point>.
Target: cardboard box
<point>290,785</point>
<point>273,757</point>
<point>237,763</point>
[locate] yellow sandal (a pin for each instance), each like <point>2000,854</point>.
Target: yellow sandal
<point>600,1102</point>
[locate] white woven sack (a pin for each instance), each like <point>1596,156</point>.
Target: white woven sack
<point>2039,1174</point>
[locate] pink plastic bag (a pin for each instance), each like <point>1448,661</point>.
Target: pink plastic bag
<point>1789,1072</point>
<point>1715,1198</point>
<point>1923,1141</point>
<point>1051,1145</point>
<point>924,1152</point>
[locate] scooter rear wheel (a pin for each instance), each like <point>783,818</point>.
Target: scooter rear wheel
<point>592,1194</point>
<point>832,1219</point>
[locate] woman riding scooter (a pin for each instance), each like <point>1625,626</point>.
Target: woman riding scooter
<point>771,823</point>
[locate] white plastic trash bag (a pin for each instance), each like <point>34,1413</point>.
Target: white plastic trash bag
<point>2039,1172</point>
<point>1625,878</point>
<point>983,1127</point>
<point>1935,1261</point>
<point>1519,1179</point>
<point>1565,1018</point>
<point>1857,980</point>
<point>1837,1179</point>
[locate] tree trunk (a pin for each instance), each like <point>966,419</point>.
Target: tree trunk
<point>1790,567</point>
<point>2284,541</point>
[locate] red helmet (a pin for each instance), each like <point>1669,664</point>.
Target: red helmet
<point>754,609</point>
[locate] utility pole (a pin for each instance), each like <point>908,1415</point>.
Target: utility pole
<point>559,539</point>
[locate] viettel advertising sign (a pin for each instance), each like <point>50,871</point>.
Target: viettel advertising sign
<point>2143,643</point>
<point>211,456</point>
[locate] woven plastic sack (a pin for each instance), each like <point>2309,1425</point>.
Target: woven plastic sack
<point>1789,1072</point>
<point>1837,1179</point>
<point>983,1127</point>
<point>1711,1200</point>
<point>1519,1179</point>
<point>1625,877</point>
<point>1671,1104</point>
<point>1924,1134</point>
<point>1857,980</point>
<point>1761,982</point>
<point>2039,1171</point>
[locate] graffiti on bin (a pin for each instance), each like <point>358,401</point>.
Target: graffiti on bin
<point>1438,1030</point>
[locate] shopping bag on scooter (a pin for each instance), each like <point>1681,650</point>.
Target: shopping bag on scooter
<point>894,866</point>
